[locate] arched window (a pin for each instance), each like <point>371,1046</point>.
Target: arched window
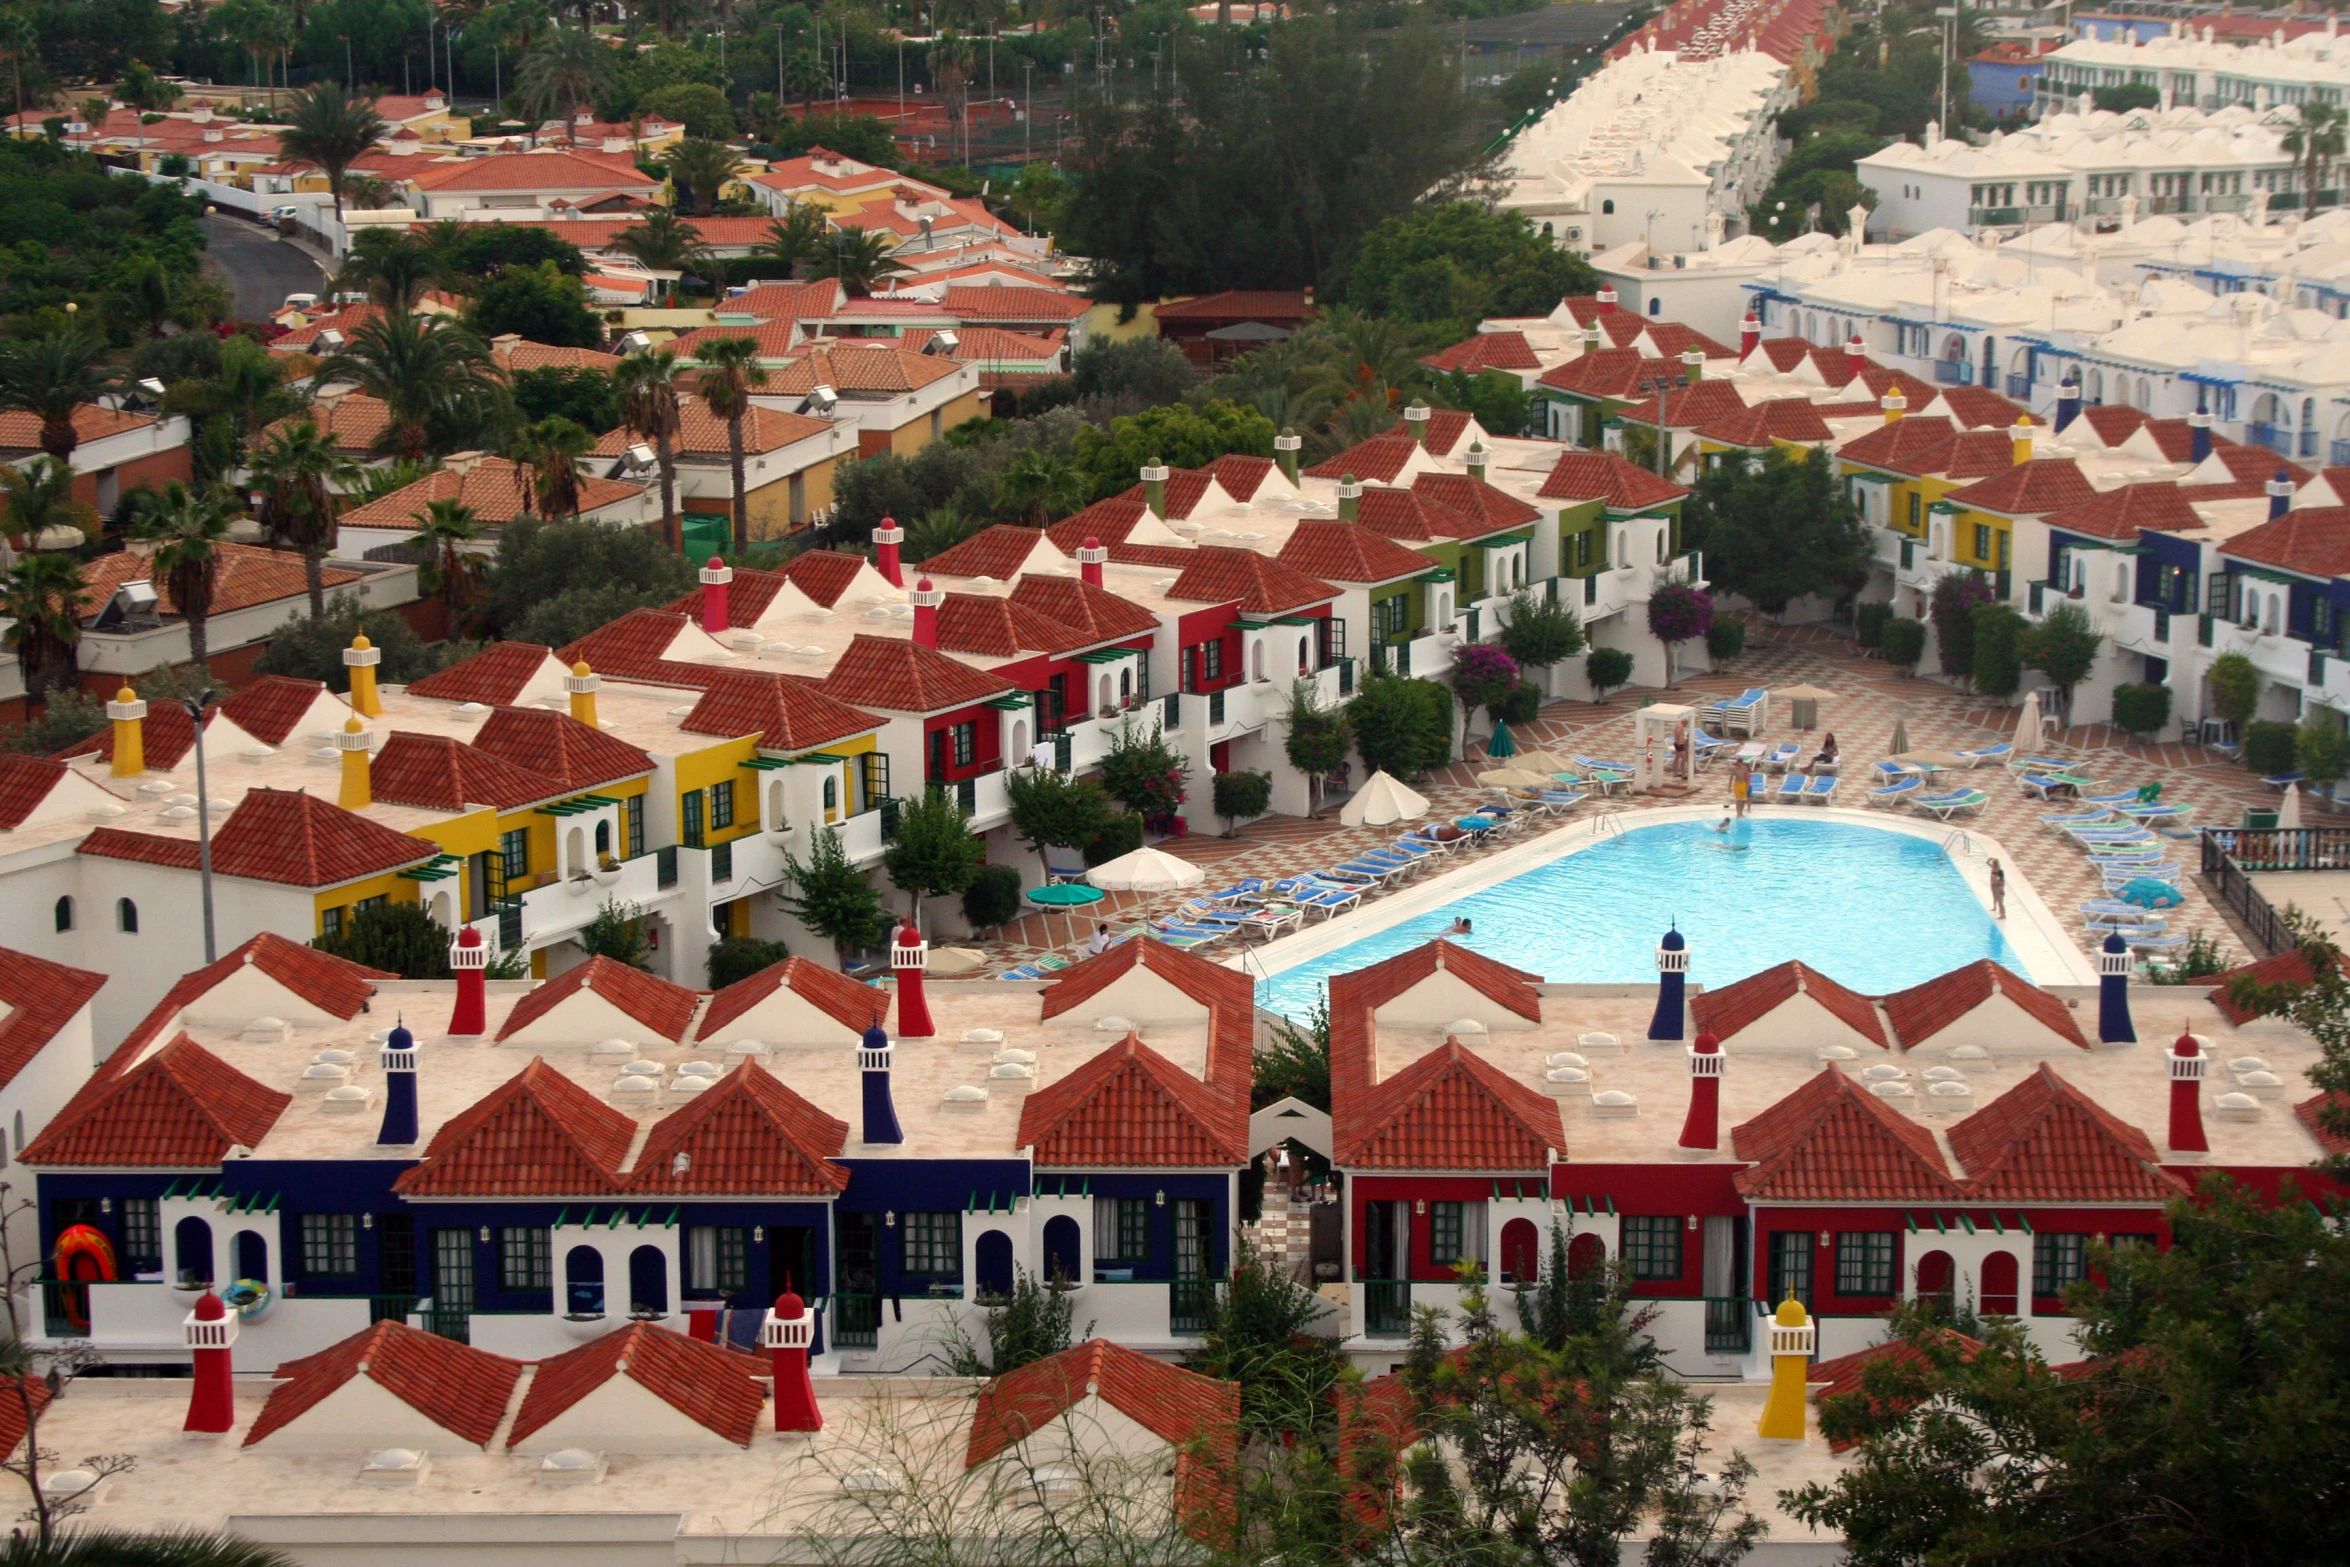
<point>1521,1246</point>
<point>65,914</point>
<point>831,797</point>
<point>604,836</point>
<point>126,916</point>
<point>2094,390</point>
<point>1607,206</point>
<point>1061,1249</point>
<point>1999,1278</point>
<point>1936,1277</point>
<point>993,1259</point>
<point>1656,306</point>
<point>648,1282</point>
<point>583,1282</point>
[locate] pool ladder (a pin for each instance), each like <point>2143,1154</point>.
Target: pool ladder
<point>1959,846</point>
<point>1606,822</point>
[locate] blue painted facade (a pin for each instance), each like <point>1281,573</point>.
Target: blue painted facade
<point>2003,87</point>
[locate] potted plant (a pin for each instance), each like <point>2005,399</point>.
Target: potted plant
<point>607,869</point>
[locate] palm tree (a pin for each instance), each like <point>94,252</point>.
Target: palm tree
<point>730,371</point>
<point>298,471</point>
<point>561,74</point>
<point>256,26</point>
<point>149,296</point>
<point>446,527</point>
<point>2316,139</point>
<point>647,384</point>
<point>53,378</point>
<point>329,127</point>
<point>20,38</point>
<point>698,171</point>
<point>1043,488</point>
<point>395,274</point>
<point>39,496</point>
<point>665,242</point>
<point>42,598</point>
<point>249,392</point>
<point>79,1547</point>
<point>429,371</point>
<point>376,483</point>
<point>552,450</point>
<point>860,258</point>
<point>799,236</point>
<point>806,78</point>
<point>187,526</point>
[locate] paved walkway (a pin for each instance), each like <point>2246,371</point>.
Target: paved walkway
<point>1870,699</point>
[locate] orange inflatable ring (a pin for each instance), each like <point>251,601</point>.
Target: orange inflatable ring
<point>84,1256</point>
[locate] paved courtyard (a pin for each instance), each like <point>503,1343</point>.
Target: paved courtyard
<point>1870,699</point>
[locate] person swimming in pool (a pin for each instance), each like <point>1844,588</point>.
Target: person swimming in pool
<point>1459,927</point>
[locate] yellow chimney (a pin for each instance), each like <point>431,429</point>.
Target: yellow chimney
<point>2021,433</point>
<point>360,658</point>
<point>1894,405</point>
<point>358,786</point>
<point>130,733</point>
<point>1792,1338</point>
<point>582,683</point>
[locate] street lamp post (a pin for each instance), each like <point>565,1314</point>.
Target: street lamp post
<point>195,706</point>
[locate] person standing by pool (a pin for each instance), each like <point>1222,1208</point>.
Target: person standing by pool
<point>1998,892</point>
<point>1741,781</point>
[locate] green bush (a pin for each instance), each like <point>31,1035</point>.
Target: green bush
<point>993,898</point>
<point>2141,709</point>
<point>1607,668</point>
<point>2270,747</point>
<point>1123,835</point>
<point>1904,643</point>
<point>2235,687</point>
<point>1242,796</point>
<point>399,938</point>
<point>1522,706</point>
<point>1725,639</point>
<point>1999,657</point>
<point>739,957</point>
<point>1868,623</point>
<point>2323,752</point>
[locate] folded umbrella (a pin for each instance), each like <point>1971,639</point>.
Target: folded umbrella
<point>2147,893</point>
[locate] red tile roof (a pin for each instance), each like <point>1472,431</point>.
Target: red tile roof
<point>12,1417</point>
<point>1100,615</point>
<point>998,552</point>
<point>1833,1141</point>
<point>355,421</point>
<point>2046,1141</point>
<point>1131,1106</point>
<point>747,597</point>
<point>488,486</point>
<point>1604,476</point>
<point>718,1389</point>
<point>893,676</point>
<point>1494,508</point>
<point>847,1002</point>
<point>249,576</point>
<point>664,1008</point>
<point>278,835</point>
<point>1686,406</point>
<point>1240,304</point>
<point>1979,408</point>
<point>1342,552</point>
<point>1725,1011</point>
<point>1901,445</point>
<point>558,749</point>
<point>2028,489</point>
<point>2114,422</point>
<point>1178,1406</point>
<point>1922,1011</point>
<point>1843,1376</point>
<point>181,1108</point>
<point>2158,506</point>
<point>2316,1112</point>
<point>1793,419</point>
<point>1445,428</point>
<point>547,169</point>
<point>25,781</point>
<point>824,575</point>
<point>1240,474</point>
<point>336,986</point>
<point>746,1135</point>
<point>1611,374</point>
<point>438,773</point>
<point>2250,463</point>
<point>494,677</point>
<point>2314,541</point>
<point>459,1388</point>
<point>1377,460</point>
<point>21,432</point>
<point>701,433</point>
<point>1255,584</point>
<point>786,714</point>
<point>2289,967</point>
<point>42,997</point>
<point>1672,339</point>
<point>1452,1110</point>
<point>1485,351</point>
<point>996,303</point>
<point>271,706</point>
<point>538,1134</point>
<point>988,627</point>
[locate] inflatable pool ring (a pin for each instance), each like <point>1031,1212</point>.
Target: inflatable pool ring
<point>248,1298</point>
<point>84,1256</point>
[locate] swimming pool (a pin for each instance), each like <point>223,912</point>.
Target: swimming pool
<point>1873,908</point>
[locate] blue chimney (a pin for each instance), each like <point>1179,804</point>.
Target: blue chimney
<point>1672,972</point>
<point>2280,495</point>
<point>2068,400</point>
<point>2199,434</point>
<point>399,1064</point>
<point>2113,993</point>
<point>881,1113</point>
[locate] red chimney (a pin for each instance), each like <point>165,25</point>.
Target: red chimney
<point>1607,300</point>
<point>926,601</point>
<point>1749,334</point>
<point>886,540</point>
<point>787,1334</point>
<point>1856,353</point>
<point>1090,556</point>
<point>909,955</point>
<point>470,959</point>
<point>716,574</point>
<point>2188,1063</point>
<point>1701,1132</point>
<point>210,1330</point>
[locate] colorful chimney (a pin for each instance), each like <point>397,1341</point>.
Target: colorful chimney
<point>2113,993</point>
<point>2068,401</point>
<point>2188,1064</point>
<point>886,540</point>
<point>1476,459</point>
<point>360,658</point>
<point>1286,446</point>
<point>1350,497</point>
<point>716,574</point>
<point>1692,365</point>
<point>926,600</point>
<point>1607,300</point>
<point>581,685</point>
<point>1154,487</point>
<point>1415,420</point>
<point>1749,334</point>
<point>2020,435</point>
<point>399,1063</point>
<point>469,960</point>
<point>1856,354</point>
<point>129,717</point>
<point>1672,975</point>
<point>788,1334</point>
<point>1091,556</point>
<point>358,785</point>
<point>210,1331</point>
<point>1701,1131</point>
<point>1894,404</point>
<point>909,955</point>
<point>2199,435</point>
<point>1793,1338</point>
<point>2280,495</point>
<point>881,1112</point>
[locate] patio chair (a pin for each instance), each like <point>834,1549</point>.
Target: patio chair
<point>1246,887</point>
<point>1822,788</point>
<point>1024,971</point>
<point>1790,789</point>
<point>1944,806</point>
<point>2043,786</point>
<point>1988,753</point>
<point>1329,899</point>
<point>1893,793</point>
<point>1782,756</point>
<point>2078,819</point>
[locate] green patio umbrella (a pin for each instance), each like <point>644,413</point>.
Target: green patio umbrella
<point>1501,744</point>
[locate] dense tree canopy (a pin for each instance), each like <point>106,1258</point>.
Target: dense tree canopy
<point>1459,261</point>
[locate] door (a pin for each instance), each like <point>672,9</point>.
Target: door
<point>396,1234</point>
<point>1791,1253</point>
<point>791,1251</point>
<point>1725,1255</point>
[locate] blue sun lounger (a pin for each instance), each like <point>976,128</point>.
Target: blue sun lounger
<point>1247,886</point>
<point>1988,753</point>
<point>1821,789</point>
<point>1893,793</point>
<point>1946,805</point>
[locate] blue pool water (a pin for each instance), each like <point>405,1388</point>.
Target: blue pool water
<point>1873,909</point>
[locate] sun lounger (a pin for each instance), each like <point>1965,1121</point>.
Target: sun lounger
<point>1198,933</point>
<point>1377,871</point>
<point>1988,753</point>
<point>2045,785</point>
<point>2077,819</point>
<point>1944,806</point>
<point>1270,922</point>
<point>2154,943</point>
<point>2046,764</point>
<point>1205,915</point>
<point>1053,960</point>
<point>1821,789</point>
<point>2115,909</point>
<point>1790,789</point>
<point>2153,813</point>
<point>2122,927</point>
<point>2281,780</point>
<point>1246,887</point>
<point>1596,765</point>
<point>1894,772</point>
<point>1060,873</point>
<point>1782,756</point>
<point>1561,801</point>
<point>1024,971</point>
<point>1739,713</point>
<point>1895,792</point>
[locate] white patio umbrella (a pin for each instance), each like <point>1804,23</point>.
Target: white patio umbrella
<point>1146,870</point>
<point>1382,800</point>
<point>2289,813</point>
<point>2027,725</point>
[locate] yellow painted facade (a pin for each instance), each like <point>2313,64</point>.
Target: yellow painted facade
<point>391,886</point>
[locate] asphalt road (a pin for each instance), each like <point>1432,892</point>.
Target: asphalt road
<point>261,270</point>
